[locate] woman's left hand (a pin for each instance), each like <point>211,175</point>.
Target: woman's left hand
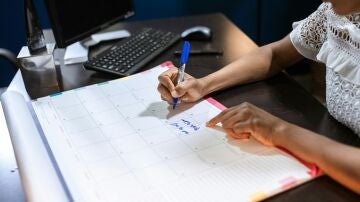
<point>245,120</point>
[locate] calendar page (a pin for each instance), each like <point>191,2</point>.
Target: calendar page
<point>118,141</point>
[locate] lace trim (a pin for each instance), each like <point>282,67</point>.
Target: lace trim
<point>343,100</point>
<point>341,51</point>
<point>345,28</point>
<point>313,29</point>
<point>353,18</point>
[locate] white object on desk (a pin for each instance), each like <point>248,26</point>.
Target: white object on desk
<point>38,176</point>
<point>110,35</point>
<point>75,53</point>
<point>78,52</point>
<point>17,85</point>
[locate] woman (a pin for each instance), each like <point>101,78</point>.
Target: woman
<point>330,35</point>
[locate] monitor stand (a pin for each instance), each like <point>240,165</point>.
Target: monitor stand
<point>78,52</point>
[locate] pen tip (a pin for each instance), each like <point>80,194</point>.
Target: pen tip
<point>175,102</point>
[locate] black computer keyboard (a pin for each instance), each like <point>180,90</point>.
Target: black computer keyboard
<point>129,55</point>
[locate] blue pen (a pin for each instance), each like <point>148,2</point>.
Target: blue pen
<point>181,71</point>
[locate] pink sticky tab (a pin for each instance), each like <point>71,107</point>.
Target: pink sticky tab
<point>314,170</point>
<point>215,103</point>
<point>288,182</point>
<point>167,64</point>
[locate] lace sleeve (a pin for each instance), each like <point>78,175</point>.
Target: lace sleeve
<point>309,34</point>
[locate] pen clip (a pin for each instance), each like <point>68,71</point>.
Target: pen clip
<point>185,53</point>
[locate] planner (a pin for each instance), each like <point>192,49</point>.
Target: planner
<point>118,141</point>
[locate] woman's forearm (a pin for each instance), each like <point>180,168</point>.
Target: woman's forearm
<point>253,66</point>
<point>339,161</point>
<point>248,68</point>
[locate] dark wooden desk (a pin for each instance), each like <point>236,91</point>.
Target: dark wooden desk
<point>279,95</point>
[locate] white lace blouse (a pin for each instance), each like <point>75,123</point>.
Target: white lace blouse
<point>333,39</point>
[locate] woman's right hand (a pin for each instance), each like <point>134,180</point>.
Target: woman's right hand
<point>190,90</point>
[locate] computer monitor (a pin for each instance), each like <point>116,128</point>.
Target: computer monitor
<point>74,20</point>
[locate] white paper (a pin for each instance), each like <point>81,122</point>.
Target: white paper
<point>124,146</point>
<point>75,53</point>
<point>17,85</point>
<point>38,176</point>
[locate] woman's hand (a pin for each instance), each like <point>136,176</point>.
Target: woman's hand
<point>190,90</point>
<point>245,120</point>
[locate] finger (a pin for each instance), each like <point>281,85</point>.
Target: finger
<point>229,118</point>
<point>242,127</point>
<point>218,118</point>
<point>240,114</point>
<point>234,135</point>
<point>230,132</point>
<point>233,118</point>
<point>241,136</point>
<point>168,101</point>
<point>165,94</point>
<point>167,79</point>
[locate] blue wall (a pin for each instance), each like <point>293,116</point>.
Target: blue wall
<point>276,18</point>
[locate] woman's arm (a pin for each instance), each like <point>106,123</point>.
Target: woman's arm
<point>339,161</point>
<point>253,66</point>
<point>256,65</point>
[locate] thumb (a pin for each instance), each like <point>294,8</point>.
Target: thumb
<point>182,88</point>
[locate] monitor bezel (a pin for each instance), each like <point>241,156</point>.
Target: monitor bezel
<point>62,42</point>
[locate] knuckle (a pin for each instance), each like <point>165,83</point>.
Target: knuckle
<point>159,87</point>
<point>255,121</point>
<point>162,90</point>
<point>162,76</point>
<point>239,127</point>
<point>225,111</point>
<point>246,111</point>
<point>222,112</point>
<point>246,105</point>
